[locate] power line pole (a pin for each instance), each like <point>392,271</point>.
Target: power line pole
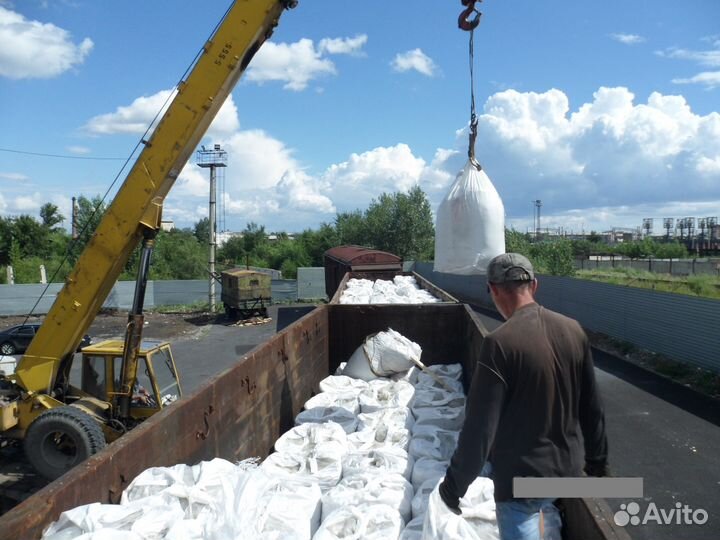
<point>212,159</point>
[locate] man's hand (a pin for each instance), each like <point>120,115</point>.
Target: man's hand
<point>451,500</point>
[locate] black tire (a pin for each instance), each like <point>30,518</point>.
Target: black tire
<point>7,348</point>
<point>61,438</point>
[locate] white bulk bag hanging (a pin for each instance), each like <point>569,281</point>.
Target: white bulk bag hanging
<point>470,227</point>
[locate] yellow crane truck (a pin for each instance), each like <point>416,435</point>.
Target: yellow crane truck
<point>61,425</point>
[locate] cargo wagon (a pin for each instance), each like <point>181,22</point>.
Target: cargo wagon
<point>241,412</point>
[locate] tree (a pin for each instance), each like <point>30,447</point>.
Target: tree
<point>351,229</point>
<point>178,255</point>
<point>553,257</point>
<point>201,230</point>
<point>517,242</point>
<point>32,238</point>
<point>671,250</point>
<point>316,243</point>
<point>232,252</point>
<point>401,223</point>
<point>90,212</point>
<point>254,237</point>
<point>50,216</point>
<point>5,240</point>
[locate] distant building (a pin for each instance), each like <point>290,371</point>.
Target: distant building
<point>167,226</point>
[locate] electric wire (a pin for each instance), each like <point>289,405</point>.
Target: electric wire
<point>61,156</point>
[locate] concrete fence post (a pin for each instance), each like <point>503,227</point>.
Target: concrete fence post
<point>10,275</point>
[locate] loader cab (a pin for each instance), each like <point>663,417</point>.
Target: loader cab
<point>157,383</point>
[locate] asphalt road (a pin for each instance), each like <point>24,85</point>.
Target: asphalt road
<point>665,434</point>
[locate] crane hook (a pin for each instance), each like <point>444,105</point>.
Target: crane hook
<point>463,21</point>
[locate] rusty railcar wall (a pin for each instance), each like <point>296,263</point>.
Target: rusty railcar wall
<point>423,283</point>
<point>437,328</point>
<point>235,415</point>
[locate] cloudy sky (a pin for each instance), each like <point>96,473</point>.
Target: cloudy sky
<point>608,112</point>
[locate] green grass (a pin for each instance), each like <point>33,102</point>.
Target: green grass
<point>697,378</point>
<point>706,286</point>
<point>195,307</point>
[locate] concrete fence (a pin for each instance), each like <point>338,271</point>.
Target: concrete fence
<point>24,299</point>
<point>677,267</point>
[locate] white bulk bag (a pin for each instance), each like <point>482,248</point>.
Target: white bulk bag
<point>305,438</point>
<point>478,507</point>
<point>361,522</point>
<point>380,460</point>
<point>346,419</point>
<point>384,393</point>
<point>90,518</point>
<point>428,441</point>
<point>324,465</point>
<point>435,397</point>
<point>205,491</point>
<point>342,384</point>
<point>157,479</point>
<point>447,418</point>
<point>442,524</point>
<point>477,522</point>
<point>382,355</point>
<point>427,380</point>
<point>420,499</point>
<point>392,417</point>
<point>413,530</point>
<point>283,509</point>
<point>470,228</point>
<point>453,371</point>
<point>410,375</point>
<point>379,437</point>
<point>347,400</point>
<point>426,469</point>
<point>367,488</point>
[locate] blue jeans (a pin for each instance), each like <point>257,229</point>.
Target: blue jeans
<point>528,519</point>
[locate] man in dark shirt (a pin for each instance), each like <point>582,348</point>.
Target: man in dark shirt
<point>533,392</point>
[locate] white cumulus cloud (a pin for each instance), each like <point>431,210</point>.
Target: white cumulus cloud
<point>136,117</point>
<point>343,45</point>
<point>300,191</point>
<point>628,39</point>
<point>31,49</point>
<point>609,152</point>
<point>414,60</point>
<point>295,64</point>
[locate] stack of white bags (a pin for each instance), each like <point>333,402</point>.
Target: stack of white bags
<point>401,290</point>
<point>363,462</point>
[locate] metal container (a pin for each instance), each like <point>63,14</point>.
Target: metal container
<point>340,260</point>
<point>245,292</point>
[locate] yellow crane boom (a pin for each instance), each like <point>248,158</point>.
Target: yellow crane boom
<point>137,207</point>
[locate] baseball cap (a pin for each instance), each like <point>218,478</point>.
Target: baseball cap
<point>510,267</point>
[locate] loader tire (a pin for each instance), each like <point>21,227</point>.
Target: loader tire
<point>61,438</point>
